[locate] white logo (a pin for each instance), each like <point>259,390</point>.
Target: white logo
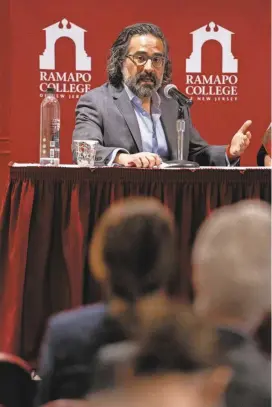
<point>76,34</point>
<point>72,83</point>
<point>207,33</point>
<point>220,86</point>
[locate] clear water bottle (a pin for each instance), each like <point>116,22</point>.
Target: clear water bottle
<point>50,129</point>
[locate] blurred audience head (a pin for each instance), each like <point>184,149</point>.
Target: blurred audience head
<point>176,340</point>
<point>132,252</point>
<point>175,362</point>
<point>170,390</point>
<point>231,261</point>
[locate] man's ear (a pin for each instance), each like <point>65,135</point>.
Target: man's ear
<point>215,384</point>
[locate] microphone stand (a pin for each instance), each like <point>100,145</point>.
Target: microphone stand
<point>180,126</point>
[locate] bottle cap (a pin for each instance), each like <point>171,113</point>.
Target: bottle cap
<point>50,90</point>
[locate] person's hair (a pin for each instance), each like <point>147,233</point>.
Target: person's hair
<point>231,261</point>
<point>133,252</point>
<point>119,50</point>
<point>134,243</point>
<point>172,340</point>
<point>176,340</point>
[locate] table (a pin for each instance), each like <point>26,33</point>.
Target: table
<point>47,220</point>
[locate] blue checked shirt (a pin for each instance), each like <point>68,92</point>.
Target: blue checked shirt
<point>152,133</point>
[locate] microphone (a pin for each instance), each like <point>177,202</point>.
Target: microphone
<point>171,91</point>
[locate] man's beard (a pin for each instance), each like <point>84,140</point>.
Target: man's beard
<point>141,89</point>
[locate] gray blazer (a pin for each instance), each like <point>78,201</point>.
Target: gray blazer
<point>67,352</point>
<point>105,114</point>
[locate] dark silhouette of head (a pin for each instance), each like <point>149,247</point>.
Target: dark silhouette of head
<point>133,250</point>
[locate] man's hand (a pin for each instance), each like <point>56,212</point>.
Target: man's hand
<point>139,160</point>
<point>240,140</point>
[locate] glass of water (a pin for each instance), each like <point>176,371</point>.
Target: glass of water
<point>84,152</point>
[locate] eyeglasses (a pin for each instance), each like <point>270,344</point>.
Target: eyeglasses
<point>157,61</point>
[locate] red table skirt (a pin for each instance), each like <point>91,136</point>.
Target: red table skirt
<point>47,220</point>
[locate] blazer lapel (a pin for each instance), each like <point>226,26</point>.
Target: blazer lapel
<point>125,107</point>
<point>168,119</point>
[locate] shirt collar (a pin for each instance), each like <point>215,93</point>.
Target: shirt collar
<point>156,100</point>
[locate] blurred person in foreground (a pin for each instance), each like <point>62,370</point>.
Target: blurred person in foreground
<point>177,363</point>
<point>178,346</point>
<point>132,255</point>
<point>231,261</point>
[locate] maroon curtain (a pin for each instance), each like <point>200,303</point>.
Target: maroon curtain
<point>47,220</point>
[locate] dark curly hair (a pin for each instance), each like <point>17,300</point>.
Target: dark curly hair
<point>120,47</point>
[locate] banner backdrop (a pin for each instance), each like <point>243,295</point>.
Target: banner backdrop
<point>220,51</point>
<point>5,53</point>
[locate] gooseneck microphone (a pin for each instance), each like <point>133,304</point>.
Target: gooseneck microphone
<point>171,91</point>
